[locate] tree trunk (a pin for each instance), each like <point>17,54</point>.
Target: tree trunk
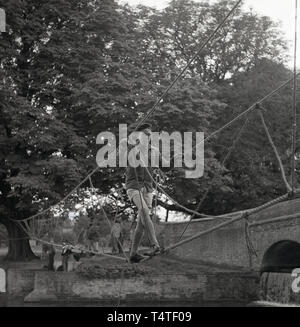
<point>18,245</point>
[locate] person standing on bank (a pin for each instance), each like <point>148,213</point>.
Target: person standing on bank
<point>139,188</point>
<point>116,236</point>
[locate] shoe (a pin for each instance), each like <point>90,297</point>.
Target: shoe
<point>136,258</point>
<point>67,249</point>
<point>155,249</point>
<point>77,256</point>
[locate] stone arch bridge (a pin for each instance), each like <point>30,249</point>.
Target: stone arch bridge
<point>228,246</point>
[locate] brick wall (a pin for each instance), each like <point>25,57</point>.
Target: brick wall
<point>280,288</point>
<point>19,282</point>
<point>227,246</point>
<point>207,286</point>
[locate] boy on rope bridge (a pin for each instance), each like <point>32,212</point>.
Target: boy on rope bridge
<point>139,188</point>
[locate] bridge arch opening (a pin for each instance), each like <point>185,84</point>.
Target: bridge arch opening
<point>282,256</point>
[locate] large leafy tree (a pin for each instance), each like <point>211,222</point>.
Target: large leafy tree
<point>66,75</point>
<point>253,165</point>
<point>71,69</point>
<point>175,34</point>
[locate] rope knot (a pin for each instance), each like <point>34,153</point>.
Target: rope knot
<point>291,195</point>
<point>67,249</point>
<point>246,216</point>
<point>259,107</point>
<point>250,246</point>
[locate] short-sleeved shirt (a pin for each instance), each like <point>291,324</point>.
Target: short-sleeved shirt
<point>139,177</point>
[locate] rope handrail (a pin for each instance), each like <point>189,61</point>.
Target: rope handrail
<point>242,215</point>
<point>253,106</point>
<point>228,215</point>
<point>60,201</point>
<point>75,250</point>
<point>226,223</point>
<point>288,187</point>
<point>173,200</point>
<point>235,141</point>
<point>274,220</point>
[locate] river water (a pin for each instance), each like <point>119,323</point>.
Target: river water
<point>6,301</point>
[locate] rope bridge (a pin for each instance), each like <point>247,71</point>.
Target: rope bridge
<point>47,227</point>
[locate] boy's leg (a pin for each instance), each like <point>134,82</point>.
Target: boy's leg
<point>148,197</point>
<point>137,236</point>
<point>114,244</point>
<point>143,200</point>
<point>134,196</point>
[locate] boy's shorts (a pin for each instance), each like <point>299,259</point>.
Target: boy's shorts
<point>147,196</point>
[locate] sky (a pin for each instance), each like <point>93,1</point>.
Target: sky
<point>279,10</point>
